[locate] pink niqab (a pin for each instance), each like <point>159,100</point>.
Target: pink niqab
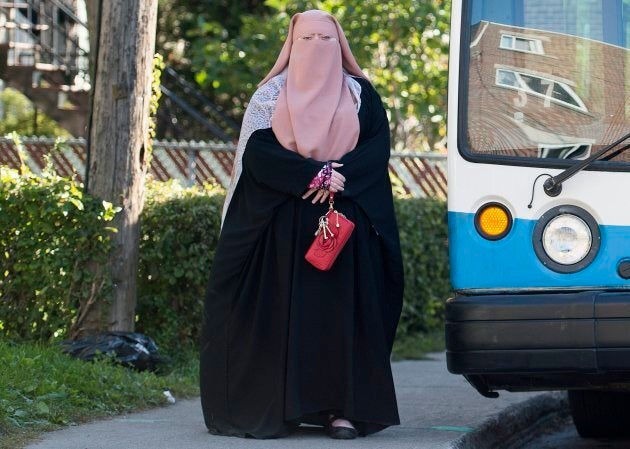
<point>315,114</point>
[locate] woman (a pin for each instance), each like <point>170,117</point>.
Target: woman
<point>284,343</point>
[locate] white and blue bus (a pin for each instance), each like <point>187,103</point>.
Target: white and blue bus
<point>539,202</point>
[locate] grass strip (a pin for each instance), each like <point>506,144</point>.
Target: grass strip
<point>42,389</point>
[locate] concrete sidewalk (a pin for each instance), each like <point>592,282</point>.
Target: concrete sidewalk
<point>436,408</point>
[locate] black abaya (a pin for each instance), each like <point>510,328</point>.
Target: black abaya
<point>284,343</point>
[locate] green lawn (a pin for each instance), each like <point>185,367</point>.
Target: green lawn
<point>43,389</point>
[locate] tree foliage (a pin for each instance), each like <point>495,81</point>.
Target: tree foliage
<point>18,115</point>
<point>401,44</point>
<point>178,21</point>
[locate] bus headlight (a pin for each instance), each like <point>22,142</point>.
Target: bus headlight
<point>567,239</point>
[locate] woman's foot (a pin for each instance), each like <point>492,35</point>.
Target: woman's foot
<point>340,428</point>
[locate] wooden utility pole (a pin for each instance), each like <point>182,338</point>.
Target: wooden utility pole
<point>123,57</point>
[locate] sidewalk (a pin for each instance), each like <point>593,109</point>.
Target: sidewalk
<point>435,408</point>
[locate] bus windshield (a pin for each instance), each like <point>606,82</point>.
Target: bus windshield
<point>545,80</point>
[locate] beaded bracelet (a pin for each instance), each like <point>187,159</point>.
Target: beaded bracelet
<point>322,179</point>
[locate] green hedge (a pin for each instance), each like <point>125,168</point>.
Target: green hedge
<point>49,232</point>
<point>179,232</point>
<point>424,241</point>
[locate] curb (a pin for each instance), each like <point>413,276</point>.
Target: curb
<point>517,424</point>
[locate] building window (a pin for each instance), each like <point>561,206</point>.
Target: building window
<point>516,43</point>
<point>564,151</point>
<point>550,90</point>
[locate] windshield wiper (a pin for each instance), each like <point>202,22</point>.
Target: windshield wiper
<point>553,185</point>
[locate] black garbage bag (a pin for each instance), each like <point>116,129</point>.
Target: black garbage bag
<point>130,349</point>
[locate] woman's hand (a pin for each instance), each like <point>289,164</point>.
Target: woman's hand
<point>337,181</point>
<point>321,195</point>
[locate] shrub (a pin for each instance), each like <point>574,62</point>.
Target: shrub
<point>50,231</point>
<point>179,232</point>
<point>424,243</point>
<point>180,229</point>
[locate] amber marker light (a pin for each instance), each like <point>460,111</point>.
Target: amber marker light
<point>493,221</point>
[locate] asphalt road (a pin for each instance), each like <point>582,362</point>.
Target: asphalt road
<point>436,408</point>
<point>566,437</point>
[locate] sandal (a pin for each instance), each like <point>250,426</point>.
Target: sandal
<point>339,432</point>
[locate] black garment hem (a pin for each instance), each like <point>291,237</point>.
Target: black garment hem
<point>318,418</point>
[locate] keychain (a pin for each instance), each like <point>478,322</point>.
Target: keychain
<point>323,220</point>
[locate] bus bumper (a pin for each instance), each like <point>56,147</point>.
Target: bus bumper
<point>543,341</point>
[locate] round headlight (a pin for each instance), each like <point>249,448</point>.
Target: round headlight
<point>567,239</point>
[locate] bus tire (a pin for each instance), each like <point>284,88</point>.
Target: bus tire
<point>598,414</point>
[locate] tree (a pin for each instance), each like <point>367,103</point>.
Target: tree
<point>119,141</point>
<point>18,114</point>
<point>179,19</point>
<point>402,45</point>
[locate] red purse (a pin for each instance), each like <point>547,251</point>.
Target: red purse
<point>333,232</point>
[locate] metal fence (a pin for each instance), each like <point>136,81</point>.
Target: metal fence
<point>416,174</point>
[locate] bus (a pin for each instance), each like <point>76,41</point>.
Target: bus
<point>539,202</point>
